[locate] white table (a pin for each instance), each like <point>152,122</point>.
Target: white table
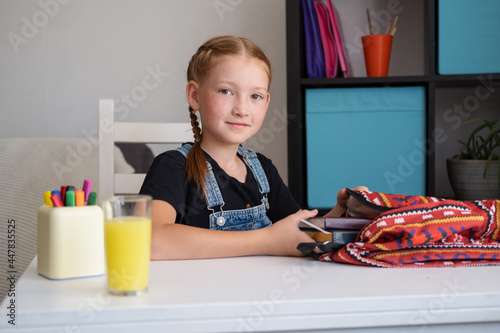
<point>262,294</point>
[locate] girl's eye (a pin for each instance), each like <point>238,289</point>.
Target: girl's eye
<point>225,91</point>
<point>256,96</point>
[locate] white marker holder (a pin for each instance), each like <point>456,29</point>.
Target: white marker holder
<point>70,242</point>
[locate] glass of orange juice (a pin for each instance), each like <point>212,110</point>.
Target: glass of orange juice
<point>127,236</point>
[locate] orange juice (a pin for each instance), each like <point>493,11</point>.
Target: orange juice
<point>128,247</point>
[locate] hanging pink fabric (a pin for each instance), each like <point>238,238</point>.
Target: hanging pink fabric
<point>338,40</point>
<point>329,48</point>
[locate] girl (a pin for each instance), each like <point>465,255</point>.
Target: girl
<point>212,198</point>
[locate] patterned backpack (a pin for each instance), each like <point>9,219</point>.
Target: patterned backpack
<point>419,231</point>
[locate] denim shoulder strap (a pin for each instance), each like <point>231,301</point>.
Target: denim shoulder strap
<point>250,158</point>
<point>212,192</point>
<point>184,149</point>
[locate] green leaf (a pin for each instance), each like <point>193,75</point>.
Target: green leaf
<point>490,158</point>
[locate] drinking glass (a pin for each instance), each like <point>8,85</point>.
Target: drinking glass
<point>127,234</point>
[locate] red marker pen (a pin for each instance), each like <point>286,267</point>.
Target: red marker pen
<point>56,200</point>
<point>63,193</point>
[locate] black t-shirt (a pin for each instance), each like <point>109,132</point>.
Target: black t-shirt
<point>167,180</point>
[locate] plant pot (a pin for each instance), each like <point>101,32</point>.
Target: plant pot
<point>468,181</point>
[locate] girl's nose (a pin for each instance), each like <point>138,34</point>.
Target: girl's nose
<point>241,108</point>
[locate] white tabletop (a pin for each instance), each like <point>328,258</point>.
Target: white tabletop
<point>261,294</point>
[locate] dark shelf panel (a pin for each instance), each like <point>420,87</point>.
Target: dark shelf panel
<point>459,79</point>
<point>467,80</point>
<point>359,81</point>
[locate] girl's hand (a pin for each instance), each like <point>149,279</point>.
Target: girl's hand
<point>342,196</point>
<point>285,235</point>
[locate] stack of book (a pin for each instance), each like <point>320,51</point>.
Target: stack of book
<point>323,45</point>
<point>336,230</point>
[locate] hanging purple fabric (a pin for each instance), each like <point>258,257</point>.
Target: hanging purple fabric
<point>315,60</point>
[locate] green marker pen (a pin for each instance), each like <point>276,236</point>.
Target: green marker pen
<point>70,198</point>
<point>92,199</point>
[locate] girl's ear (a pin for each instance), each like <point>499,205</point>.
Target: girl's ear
<point>192,95</point>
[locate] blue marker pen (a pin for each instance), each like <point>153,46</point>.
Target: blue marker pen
<point>56,192</point>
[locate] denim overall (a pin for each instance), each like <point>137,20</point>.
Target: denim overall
<point>240,219</point>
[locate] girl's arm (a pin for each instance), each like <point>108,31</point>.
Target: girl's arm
<point>178,241</point>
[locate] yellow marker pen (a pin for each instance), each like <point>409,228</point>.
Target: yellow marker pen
<point>46,198</point>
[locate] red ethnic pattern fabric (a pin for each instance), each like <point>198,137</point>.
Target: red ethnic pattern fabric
<point>417,231</point>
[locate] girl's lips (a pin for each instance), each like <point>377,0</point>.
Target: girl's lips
<point>238,125</point>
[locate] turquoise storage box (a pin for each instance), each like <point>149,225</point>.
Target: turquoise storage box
<point>364,136</point>
<point>469,36</point>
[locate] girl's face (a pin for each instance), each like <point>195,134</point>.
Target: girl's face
<point>232,100</point>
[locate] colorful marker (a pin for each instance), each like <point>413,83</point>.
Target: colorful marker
<point>79,198</point>
<point>57,192</point>
<point>56,200</point>
<point>87,185</point>
<point>46,198</point>
<point>63,193</point>
<point>70,198</point>
<point>92,199</point>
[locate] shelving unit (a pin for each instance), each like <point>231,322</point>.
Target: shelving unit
<point>298,83</point>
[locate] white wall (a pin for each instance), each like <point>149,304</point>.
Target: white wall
<point>58,57</point>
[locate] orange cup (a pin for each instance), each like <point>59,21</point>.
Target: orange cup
<point>377,50</point>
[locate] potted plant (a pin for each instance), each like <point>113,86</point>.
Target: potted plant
<point>474,172</point>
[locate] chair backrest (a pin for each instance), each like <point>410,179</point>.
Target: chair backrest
<point>111,132</point>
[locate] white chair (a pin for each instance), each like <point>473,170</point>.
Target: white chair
<point>111,132</point>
